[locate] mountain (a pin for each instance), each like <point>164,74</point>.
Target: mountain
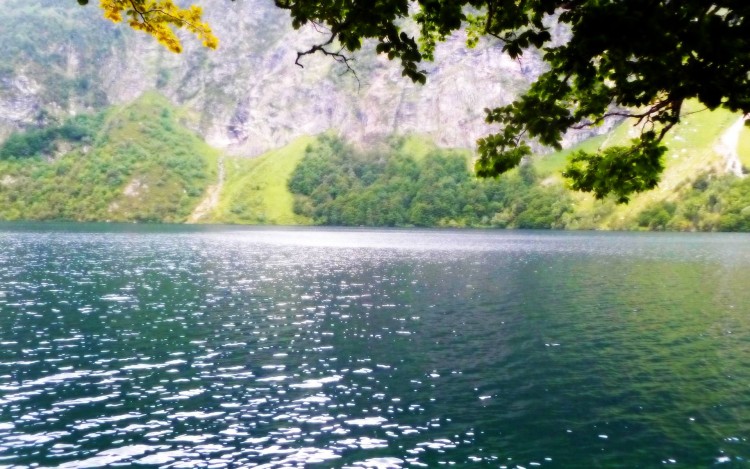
<point>247,97</point>
<point>98,122</point>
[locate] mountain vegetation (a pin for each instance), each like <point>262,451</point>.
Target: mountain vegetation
<point>140,162</point>
<point>392,185</point>
<point>131,163</point>
<point>722,204</point>
<point>255,189</point>
<point>639,59</point>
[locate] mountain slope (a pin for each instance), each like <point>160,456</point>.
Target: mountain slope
<point>694,154</point>
<point>255,190</point>
<point>139,164</point>
<point>248,97</point>
<point>169,132</point>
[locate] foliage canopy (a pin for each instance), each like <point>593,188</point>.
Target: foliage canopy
<point>335,184</point>
<point>159,18</point>
<point>614,59</point>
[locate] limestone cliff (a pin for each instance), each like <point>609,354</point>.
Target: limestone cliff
<point>248,96</point>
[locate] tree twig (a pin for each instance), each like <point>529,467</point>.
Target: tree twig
<point>337,56</point>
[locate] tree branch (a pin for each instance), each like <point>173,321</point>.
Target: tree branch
<point>143,13</point>
<point>337,56</point>
<point>655,109</point>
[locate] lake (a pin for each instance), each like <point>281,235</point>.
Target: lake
<point>216,347</point>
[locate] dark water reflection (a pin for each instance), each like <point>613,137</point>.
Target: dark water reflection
<point>219,347</point>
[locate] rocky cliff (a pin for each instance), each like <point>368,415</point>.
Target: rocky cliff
<point>248,96</point>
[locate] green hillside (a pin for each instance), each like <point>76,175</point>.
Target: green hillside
<point>743,148</point>
<point>392,185</point>
<point>692,159</point>
<point>132,163</point>
<point>139,162</point>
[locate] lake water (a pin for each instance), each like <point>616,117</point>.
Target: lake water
<point>226,347</point>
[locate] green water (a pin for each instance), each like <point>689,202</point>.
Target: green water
<point>218,347</point>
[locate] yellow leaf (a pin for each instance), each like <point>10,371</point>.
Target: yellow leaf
<point>160,18</point>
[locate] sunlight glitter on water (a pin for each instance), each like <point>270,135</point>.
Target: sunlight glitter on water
<point>287,348</point>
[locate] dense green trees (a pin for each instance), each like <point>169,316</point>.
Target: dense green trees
<point>611,58</point>
<point>336,185</point>
<point>38,142</point>
<point>710,204</point>
<point>132,163</point>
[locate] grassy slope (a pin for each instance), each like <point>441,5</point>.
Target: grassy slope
<point>417,146</point>
<point>553,164</point>
<point>255,190</point>
<point>691,152</point>
<point>743,149</point>
<point>140,166</point>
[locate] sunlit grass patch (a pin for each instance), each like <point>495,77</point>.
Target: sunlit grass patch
<point>255,190</point>
<point>743,149</point>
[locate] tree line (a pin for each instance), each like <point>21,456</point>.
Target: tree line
<point>336,184</point>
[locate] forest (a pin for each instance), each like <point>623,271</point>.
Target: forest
<point>335,184</point>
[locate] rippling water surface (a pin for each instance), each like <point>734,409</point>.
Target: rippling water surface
<point>218,347</point>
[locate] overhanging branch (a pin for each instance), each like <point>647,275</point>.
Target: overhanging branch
<point>337,56</point>
<point>668,105</point>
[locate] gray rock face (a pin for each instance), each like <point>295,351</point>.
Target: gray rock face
<point>249,96</point>
<point>19,102</point>
<point>254,97</point>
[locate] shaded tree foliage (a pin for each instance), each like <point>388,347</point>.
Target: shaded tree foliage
<point>37,142</point>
